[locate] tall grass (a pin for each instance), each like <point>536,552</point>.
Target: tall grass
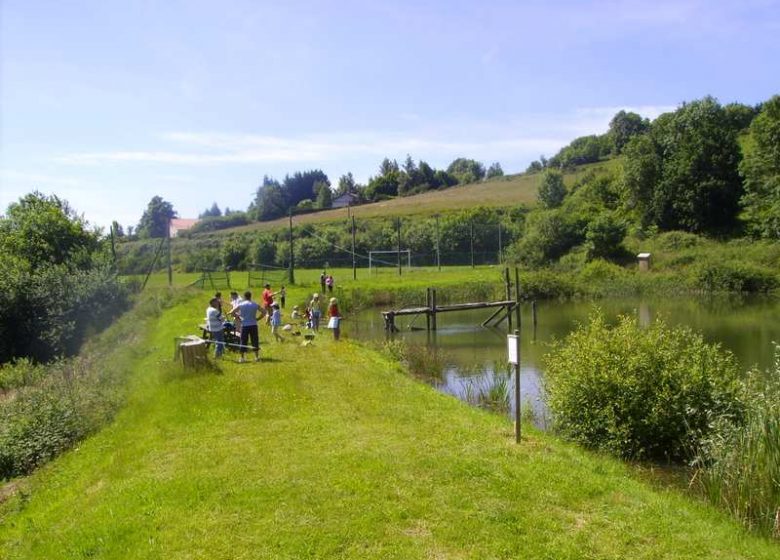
<point>740,469</point>
<point>490,392</point>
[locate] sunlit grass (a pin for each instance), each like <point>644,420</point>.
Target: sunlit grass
<point>331,450</point>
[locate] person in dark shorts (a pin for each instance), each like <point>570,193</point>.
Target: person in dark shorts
<point>247,310</point>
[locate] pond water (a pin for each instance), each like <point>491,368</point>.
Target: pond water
<point>746,326</point>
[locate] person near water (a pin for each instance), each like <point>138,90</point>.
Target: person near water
<point>276,322</point>
<point>215,327</point>
<point>316,312</point>
<point>334,321</point>
<point>247,310</point>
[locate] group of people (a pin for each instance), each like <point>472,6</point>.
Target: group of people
<point>326,283</point>
<point>312,315</point>
<point>246,314</point>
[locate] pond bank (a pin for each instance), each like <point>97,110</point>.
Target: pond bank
<point>332,450</point>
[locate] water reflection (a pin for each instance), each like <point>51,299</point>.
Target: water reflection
<point>745,326</point>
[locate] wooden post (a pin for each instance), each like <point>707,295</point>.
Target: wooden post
<point>500,248</point>
<point>438,245</point>
<point>517,298</point>
<point>292,266</point>
<point>170,265</point>
<point>533,314</point>
<point>517,389</point>
<point>471,241</point>
<point>398,226</point>
<point>508,287</point>
<point>428,313</point>
<point>433,308</point>
<point>354,263</point>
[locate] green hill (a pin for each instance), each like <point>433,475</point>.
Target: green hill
<point>510,190</point>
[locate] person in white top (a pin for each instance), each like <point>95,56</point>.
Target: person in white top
<point>215,327</point>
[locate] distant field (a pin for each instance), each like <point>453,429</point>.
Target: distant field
<point>511,190</point>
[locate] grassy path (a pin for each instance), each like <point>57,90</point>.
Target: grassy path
<point>332,451</point>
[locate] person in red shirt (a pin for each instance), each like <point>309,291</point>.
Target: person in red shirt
<point>268,301</point>
<point>335,318</point>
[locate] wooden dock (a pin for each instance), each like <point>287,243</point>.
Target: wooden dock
<point>503,310</point>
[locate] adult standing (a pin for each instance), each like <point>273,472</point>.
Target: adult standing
<point>215,327</point>
<point>247,310</point>
<point>322,282</point>
<point>316,312</point>
<point>334,321</point>
<point>329,283</point>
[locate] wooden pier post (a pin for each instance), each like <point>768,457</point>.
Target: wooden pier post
<point>428,305</point>
<point>433,309</point>
<point>533,313</point>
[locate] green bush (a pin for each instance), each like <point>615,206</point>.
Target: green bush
<point>651,393</point>
<point>604,237</point>
<point>735,276</point>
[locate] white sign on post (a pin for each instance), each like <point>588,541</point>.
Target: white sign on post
<point>511,347</point>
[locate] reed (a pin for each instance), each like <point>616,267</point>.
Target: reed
<point>740,470</point>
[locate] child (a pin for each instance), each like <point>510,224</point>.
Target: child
<point>276,322</point>
<point>282,295</point>
<point>295,313</point>
<point>335,318</point>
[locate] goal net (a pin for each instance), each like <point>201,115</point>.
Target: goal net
<point>389,259</point>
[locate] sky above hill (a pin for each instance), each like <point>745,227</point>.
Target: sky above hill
<point>108,103</point>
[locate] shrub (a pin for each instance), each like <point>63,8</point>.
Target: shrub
<point>735,277</point>
<point>604,237</point>
<point>649,393</point>
<point>676,240</point>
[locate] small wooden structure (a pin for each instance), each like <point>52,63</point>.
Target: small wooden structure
<point>193,351</point>
<point>644,261</point>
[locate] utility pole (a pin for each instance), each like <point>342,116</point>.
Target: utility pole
<point>170,265</point>
<point>354,263</point>
<point>471,241</point>
<point>398,226</point>
<point>500,247</point>
<point>292,265</point>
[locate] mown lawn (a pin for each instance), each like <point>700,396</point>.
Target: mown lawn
<point>332,451</point>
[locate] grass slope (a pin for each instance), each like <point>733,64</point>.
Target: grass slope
<point>332,451</point>
<point>510,190</point>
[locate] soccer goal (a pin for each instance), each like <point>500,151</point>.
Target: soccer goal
<point>385,259</point>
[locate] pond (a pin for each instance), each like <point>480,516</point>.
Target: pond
<point>747,326</point>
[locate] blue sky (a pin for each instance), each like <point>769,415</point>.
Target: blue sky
<point>108,103</point>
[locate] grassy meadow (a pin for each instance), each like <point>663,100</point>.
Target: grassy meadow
<point>332,450</point>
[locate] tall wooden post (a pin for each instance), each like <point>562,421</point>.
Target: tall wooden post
<point>517,298</point>
<point>471,241</point>
<point>438,246</point>
<point>433,309</point>
<point>354,262</point>
<point>517,388</point>
<point>500,247</point>
<point>292,253</point>
<point>428,312</point>
<point>398,227</point>
<point>170,265</point>
<point>508,286</point>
